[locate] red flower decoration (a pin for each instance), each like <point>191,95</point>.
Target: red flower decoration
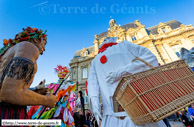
<point>62,71</point>
<point>28,28</point>
<point>5,42</point>
<point>10,41</point>
<point>44,35</point>
<point>103,59</point>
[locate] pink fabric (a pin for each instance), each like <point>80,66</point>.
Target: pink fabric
<point>72,100</point>
<point>53,86</point>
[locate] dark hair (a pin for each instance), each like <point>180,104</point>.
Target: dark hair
<point>81,95</point>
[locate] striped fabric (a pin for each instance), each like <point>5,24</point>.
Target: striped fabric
<point>10,111</point>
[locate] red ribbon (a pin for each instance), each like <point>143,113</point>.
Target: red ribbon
<point>86,88</point>
<point>105,46</point>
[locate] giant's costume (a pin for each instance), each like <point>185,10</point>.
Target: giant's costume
<point>19,68</point>
<point>114,61</point>
<point>22,69</point>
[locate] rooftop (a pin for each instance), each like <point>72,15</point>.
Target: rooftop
<point>174,24</point>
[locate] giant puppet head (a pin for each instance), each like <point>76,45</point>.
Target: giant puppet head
<point>108,40</point>
<point>188,56</point>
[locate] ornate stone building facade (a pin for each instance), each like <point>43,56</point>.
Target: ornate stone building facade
<point>164,40</point>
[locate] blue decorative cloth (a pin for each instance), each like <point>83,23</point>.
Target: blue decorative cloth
<point>37,112</point>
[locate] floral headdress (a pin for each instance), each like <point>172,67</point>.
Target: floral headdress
<point>27,34</point>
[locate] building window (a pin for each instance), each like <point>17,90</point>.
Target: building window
<point>84,53</point>
<point>84,72</point>
<point>176,49</point>
<point>163,30</point>
<point>133,38</point>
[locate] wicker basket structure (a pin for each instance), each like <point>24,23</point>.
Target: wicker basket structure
<point>152,95</point>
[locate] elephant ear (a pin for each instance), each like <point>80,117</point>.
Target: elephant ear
<point>184,53</point>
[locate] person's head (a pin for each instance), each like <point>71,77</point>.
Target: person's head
<point>80,94</point>
<point>183,111</point>
<point>192,106</point>
<point>33,35</point>
<point>40,44</point>
<point>86,111</point>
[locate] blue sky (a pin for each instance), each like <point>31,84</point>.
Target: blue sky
<point>72,24</point>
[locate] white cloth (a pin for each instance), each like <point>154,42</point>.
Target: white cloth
<point>66,85</point>
<point>58,111</point>
<point>119,63</point>
<point>65,115</point>
<point>78,105</point>
<point>111,121</point>
<point>188,56</point>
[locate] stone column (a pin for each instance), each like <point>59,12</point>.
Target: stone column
<point>152,47</point>
<point>96,46</point>
<point>166,54</point>
<point>96,43</point>
<point>128,37</point>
